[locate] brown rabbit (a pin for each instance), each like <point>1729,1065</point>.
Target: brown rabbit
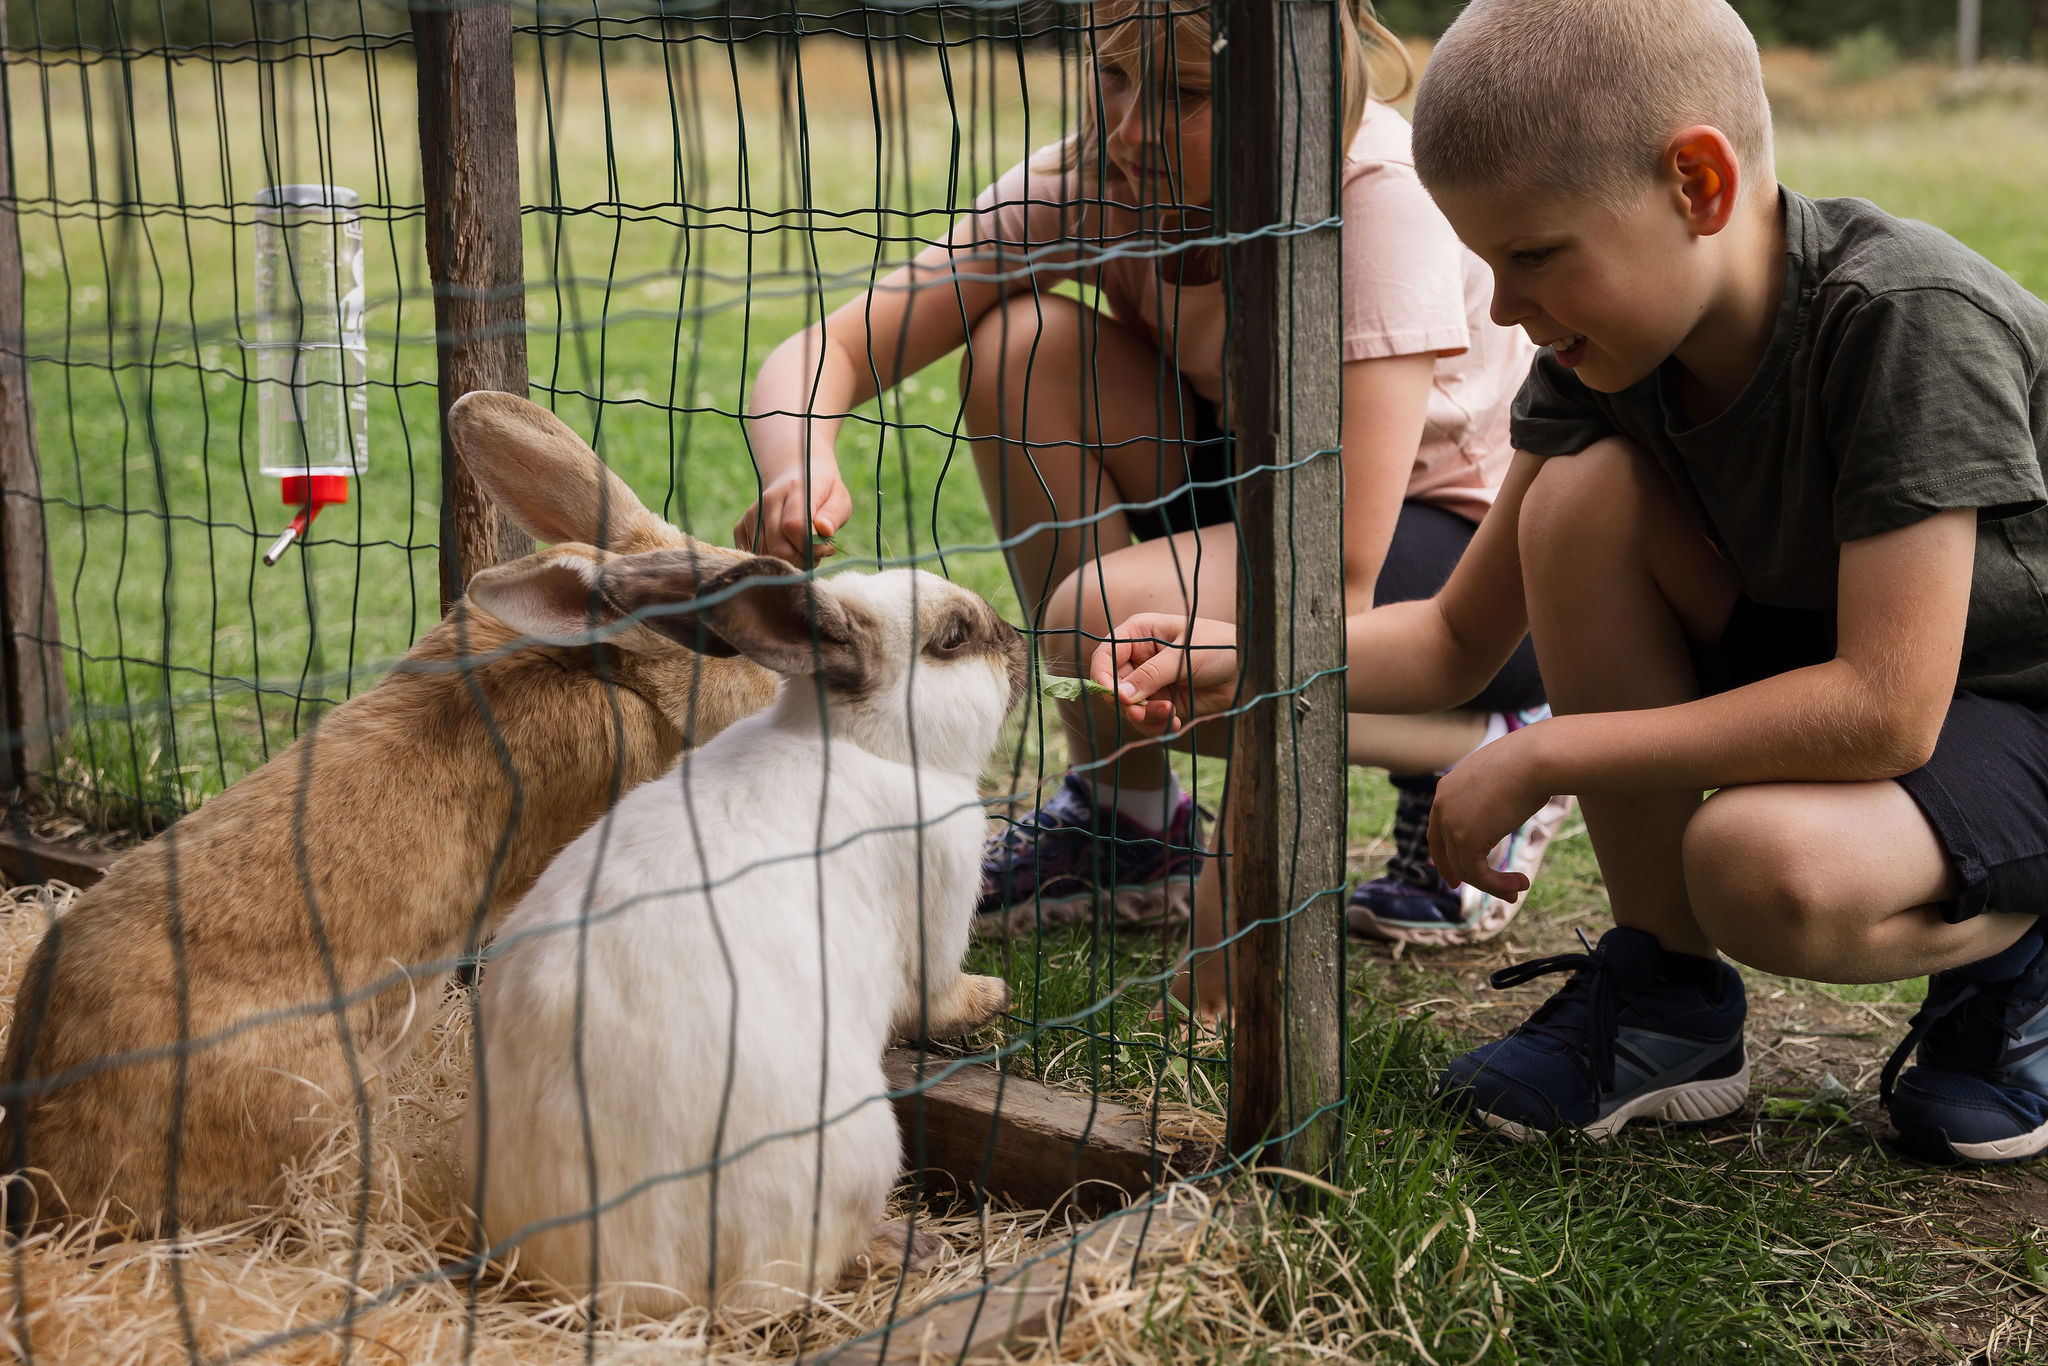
<point>415,815</point>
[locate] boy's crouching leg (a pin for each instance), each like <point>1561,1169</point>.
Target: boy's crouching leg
<point>1830,882</point>
<point>1847,882</point>
<point>1617,578</point>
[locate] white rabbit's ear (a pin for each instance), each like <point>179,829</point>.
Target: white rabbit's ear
<point>548,479</point>
<point>758,606</point>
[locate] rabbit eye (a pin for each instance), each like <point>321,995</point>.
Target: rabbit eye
<point>952,637</point>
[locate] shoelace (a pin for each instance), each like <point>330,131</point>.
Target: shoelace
<point>1917,1029</point>
<point>1410,860</point>
<point>1589,987</point>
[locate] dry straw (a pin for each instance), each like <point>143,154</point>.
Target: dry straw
<point>299,1268</point>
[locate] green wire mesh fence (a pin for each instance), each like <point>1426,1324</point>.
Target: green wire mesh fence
<point>695,183</point>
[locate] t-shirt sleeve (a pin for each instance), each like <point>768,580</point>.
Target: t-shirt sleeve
<point>1027,220</point>
<point>1555,414</point>
<point>1404,269</point>
<point>1927,399</point>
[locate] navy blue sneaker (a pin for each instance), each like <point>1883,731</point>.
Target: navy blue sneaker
<point>1411,903</point>
<point>1980,1094</point>
<point>1068,852</point>
<point>1619,1041</point>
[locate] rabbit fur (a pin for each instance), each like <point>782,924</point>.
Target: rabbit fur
<point>410,827</point>
<point>748,933</point>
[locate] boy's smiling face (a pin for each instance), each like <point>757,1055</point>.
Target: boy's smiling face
<point>1612,293</point>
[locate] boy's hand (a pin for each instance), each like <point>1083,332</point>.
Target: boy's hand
<point>1169,671</point>
<point>1478,804</point>
<point>790,527</point>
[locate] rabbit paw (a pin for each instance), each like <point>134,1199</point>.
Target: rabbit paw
<point>893,1247</point>
<point>968,1004</point>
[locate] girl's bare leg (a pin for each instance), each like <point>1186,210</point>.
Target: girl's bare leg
<point>1072,412</point>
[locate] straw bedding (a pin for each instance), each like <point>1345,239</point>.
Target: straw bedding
<point>243,1286</point>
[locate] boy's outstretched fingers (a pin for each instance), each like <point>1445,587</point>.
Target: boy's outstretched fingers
<point>1459,865</point>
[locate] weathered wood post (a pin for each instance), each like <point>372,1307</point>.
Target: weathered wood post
<point>469,161</point>
<point>1277,165</point>
<point>35,707</point>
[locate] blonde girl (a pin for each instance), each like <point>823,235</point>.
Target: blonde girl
<point>1100,438</point>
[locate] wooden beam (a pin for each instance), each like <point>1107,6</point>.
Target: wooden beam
<point>35,705</point>
<point>25,859</point>
<point>979,1129</point>
<point>469,160</point>
<point>1021,1306</point>
<point>1277,164</point>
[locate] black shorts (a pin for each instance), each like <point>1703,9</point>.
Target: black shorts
<point>1207,499</point>
<point>1985,790</point>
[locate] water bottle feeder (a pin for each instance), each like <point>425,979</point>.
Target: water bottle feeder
<point>311,492</point>
<point>309,350</point>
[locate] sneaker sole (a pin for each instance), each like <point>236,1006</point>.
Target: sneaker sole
<point>1999,1152</point>
<point>1692,1102</point>
<point>1162,905</point>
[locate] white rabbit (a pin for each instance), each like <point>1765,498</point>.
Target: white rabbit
<point>737,943</point>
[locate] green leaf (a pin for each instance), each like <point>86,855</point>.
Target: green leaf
<point>1069,689</point>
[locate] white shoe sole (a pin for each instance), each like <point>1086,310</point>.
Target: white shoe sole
<point>2018,1148</point>
<point>1693,1102</point>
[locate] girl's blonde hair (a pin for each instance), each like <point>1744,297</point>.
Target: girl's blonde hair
<point>1373,62</point>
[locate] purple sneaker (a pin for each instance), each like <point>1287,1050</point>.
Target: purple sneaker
<point>1411,903</point>
<point>1053,865</point>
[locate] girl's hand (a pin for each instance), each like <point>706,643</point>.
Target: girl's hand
<point>783,523</point>
<point>1169,671</point>
<point>1478,804</point>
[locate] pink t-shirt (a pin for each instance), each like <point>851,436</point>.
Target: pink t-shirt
<point>1409,287</point>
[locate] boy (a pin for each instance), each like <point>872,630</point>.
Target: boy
<point>1779,519</point>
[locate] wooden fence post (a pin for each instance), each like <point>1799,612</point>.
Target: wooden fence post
<point>1277,166</point>
<point>35,706</point>
<point>469,161</point>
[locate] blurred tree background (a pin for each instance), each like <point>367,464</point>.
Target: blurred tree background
<point>1916,28</point>
<point>1911,28</point>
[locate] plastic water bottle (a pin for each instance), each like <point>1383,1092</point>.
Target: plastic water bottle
<point>312,361</point>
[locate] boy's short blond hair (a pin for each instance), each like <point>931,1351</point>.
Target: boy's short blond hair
<point>1580,97</point>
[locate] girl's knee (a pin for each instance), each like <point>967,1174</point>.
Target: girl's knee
<point>1079,614</point>
<point>1758,889</point>
<point>1023,336</point>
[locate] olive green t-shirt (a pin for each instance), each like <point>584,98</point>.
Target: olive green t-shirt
<point>1906,376</point>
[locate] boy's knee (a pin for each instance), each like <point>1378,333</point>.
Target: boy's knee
<point>1757,887</point>
<point>1017,336</point>
<point>1578,501</point>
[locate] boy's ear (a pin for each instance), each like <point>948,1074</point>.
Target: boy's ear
<point>1707,173</point>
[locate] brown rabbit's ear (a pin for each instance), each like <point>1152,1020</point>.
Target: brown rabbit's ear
<point>760,607</point>
<point>548,597</point>
<point>548,479</point>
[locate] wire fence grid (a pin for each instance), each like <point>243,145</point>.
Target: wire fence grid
<point>698,182</point>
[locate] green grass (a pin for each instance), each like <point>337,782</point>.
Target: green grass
<point>1795,1240</point>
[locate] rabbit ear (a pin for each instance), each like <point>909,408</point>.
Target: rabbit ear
<point>758,606</point>
<point>547,479</point>
<point>560,598</point>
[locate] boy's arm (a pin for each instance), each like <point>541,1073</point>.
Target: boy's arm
<point>1874,711</point>
<point>1405,657</point>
